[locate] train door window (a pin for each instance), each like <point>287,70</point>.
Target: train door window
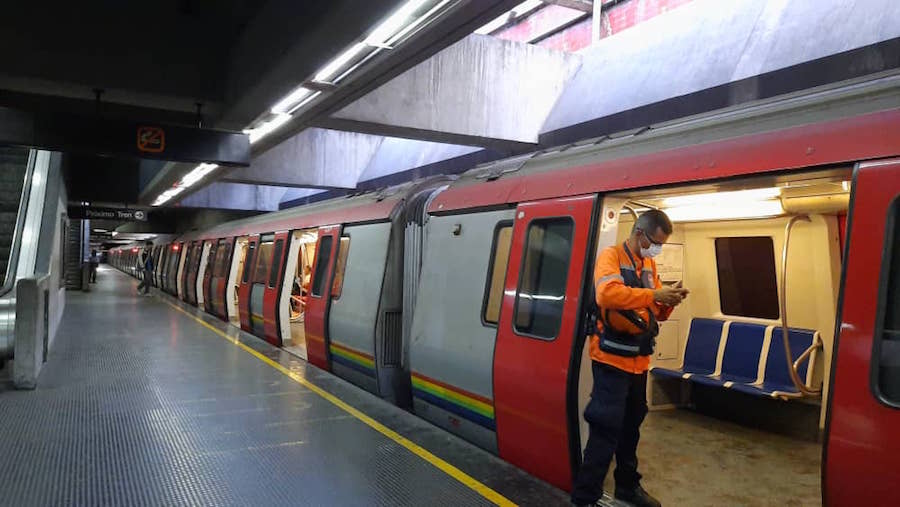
<point>887,348</point>
<point>222,252</point>
<point>493,296</point>
<point>264,259</point>
<point>248,263</point>
<point>337,284</point>
<point>276,262</point>
<point>324,258</point>
<point>542,282</point>
<point>225,260</point>
<point>746,268</point>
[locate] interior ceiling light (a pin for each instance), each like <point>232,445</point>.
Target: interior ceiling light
<point>733,211</point>
<point>722,198</point>
<point>305,102</point>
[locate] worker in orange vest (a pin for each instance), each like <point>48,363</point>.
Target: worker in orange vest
<point>631,301</point>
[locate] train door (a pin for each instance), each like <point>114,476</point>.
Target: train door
<point>157,269</point>
<point>539,320</point>
<point>320,296</point>
<point>233,280</point>
<point>193,268</point>
<point>259,278</point>
<point>271,296</point>
<point>202,272</point>
<point>247,283</point>
<point>295,290</point>
<point>864,409</point>
<point>219,283</point>
<point>208,275</point>
<point>180,272</point>
<point>172,264</point>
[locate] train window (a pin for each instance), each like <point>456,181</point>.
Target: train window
<point>337,284</point>
<point>323,258</point>
<point>542,283</point>
<point>747,286</point>
<point>264,260</point>
<point>276,262</point>
<point>493,296</point>
<point>248,263</point>
<point>887,349</point>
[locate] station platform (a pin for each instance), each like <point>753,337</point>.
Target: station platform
<point>146,401</point>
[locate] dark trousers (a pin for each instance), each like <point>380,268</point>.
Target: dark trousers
<point>93,273</point>
<point>615,413</point>
<point>145,283</point>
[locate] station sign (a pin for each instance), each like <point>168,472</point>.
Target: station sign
<point>99,213</point>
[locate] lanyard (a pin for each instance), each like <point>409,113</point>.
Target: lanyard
<point>633,263</point>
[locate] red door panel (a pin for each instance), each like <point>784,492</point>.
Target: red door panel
<point>208,299</point>
<point>220,280</point>
<point>273,290</point>
<point>532,417</point>
<point>246,283</point>
<point>317,304</point>
<point>862,450</point>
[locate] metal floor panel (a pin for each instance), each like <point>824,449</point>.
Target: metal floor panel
<point>140,404</point>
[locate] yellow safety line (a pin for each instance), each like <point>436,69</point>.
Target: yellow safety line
<point>416,449</point>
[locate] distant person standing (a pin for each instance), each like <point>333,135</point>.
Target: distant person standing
<point>94,262</point>
<point>146,260</point>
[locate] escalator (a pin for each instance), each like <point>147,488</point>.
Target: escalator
<point>13,166</point>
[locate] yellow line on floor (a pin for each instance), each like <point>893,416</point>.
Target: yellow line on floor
<point>416,449</point>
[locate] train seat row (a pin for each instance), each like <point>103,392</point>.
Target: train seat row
<point>743,356</point>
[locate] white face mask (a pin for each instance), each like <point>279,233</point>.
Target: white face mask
<point>653,251</point>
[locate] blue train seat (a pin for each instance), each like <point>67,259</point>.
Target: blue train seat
<point>776,379</point>
<point>700,351</point>
<point>740,364</point>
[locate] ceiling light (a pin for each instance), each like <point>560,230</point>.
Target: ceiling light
<point>387,29</point>
<point>285,104</point>
<point>197,174</point>
<point>168,194</point>
<point>304,103</point>
<point>338,63</point>
<point>845,185</point>
<point>417,23</point>
<point>266,128</point>
<point>733,211</point>
<point>722,198</point>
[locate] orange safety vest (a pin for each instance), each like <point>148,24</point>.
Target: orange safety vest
<point>612,294</point>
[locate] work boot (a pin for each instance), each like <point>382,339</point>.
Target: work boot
<point>637,497</point>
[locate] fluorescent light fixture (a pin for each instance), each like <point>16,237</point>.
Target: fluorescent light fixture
<point>285,104</point>
<point>417,23</point>
<point>167,195</point>
<point>100,230</point>
<point>114,233</point>
<point>197,174</point>
<point>386,30</point>
<point>268,127</point>
<point>334,66</point>
<point>723,211</point>
<point>304,103</point>
<point>722,198</point>
<point>845,185</point>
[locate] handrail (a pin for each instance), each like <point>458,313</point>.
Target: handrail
<point>9,283</point>
<point>793,366</point>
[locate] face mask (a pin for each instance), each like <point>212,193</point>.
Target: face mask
<point>653,251</point>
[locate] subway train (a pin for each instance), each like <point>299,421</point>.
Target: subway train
<point>463,299</point>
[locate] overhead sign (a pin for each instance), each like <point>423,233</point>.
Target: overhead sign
<point>151,139</point>
<point>98,213</point>
<point>96,135</point>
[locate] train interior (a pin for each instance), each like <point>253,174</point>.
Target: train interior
<point>720,362</point>
<point>295,290</point>
<point>238,259</point>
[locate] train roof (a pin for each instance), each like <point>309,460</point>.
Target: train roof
<point>828,125</point>
<point>368,207</point>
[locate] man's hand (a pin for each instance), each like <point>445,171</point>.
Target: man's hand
<point>670,296</point>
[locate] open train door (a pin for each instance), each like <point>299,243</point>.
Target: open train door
<point>272,324</point>
<point>861,458</point>
<point>208,300</point>
<point>320,297</point>
<point>246,281</point>
<point>539,321</point>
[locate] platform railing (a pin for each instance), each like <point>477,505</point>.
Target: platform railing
<point>32,330</point>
